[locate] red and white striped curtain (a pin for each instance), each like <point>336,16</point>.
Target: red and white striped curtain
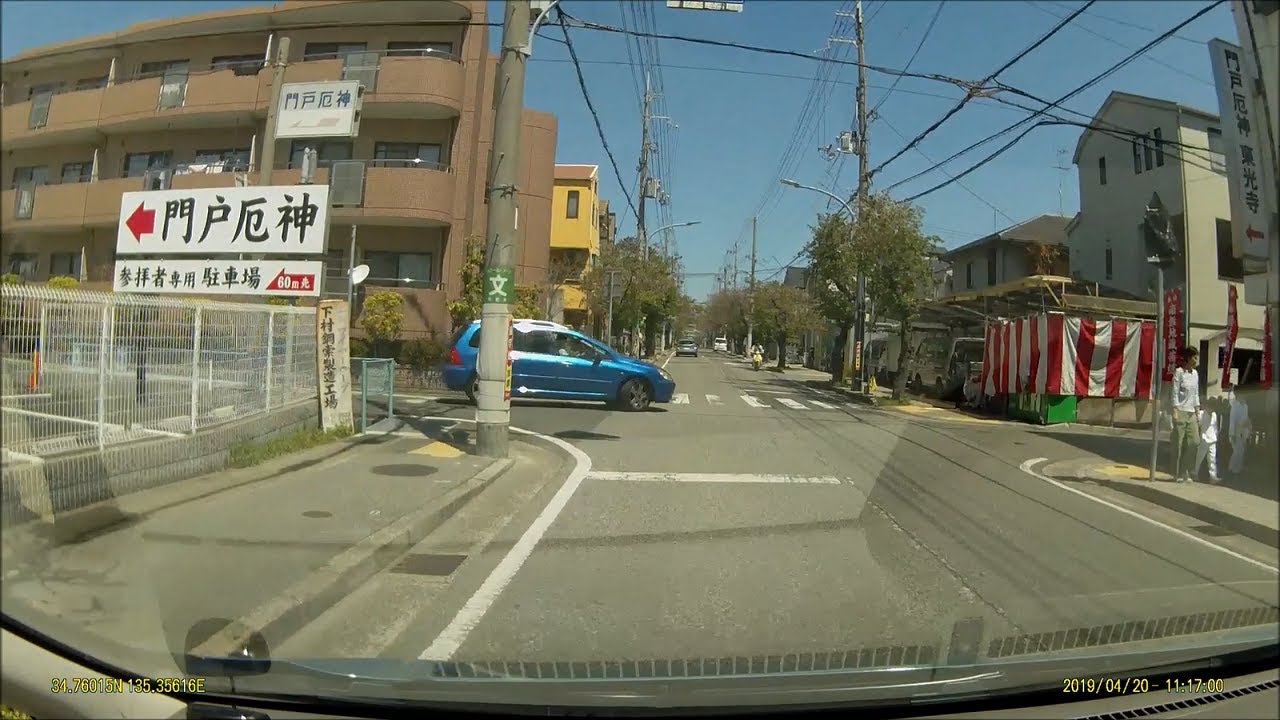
<point>1057,355</point>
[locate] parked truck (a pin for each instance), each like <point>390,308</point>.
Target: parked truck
<point>942,358</point>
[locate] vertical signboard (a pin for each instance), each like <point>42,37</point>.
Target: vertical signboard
<point>1243,141</point>
<point>506,391</point>
<point>1233,330</point>
<point>1173,338</point>
<point>1265,375</point>
<point>333,363</point>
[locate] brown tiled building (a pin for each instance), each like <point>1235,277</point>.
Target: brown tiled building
<point>182,103</point>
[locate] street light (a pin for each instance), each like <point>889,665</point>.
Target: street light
<point>860,327</point>
<point>645,239</point>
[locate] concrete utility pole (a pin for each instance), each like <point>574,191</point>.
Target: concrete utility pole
<point>266,165</point>
<point>751,290</point>
<point>493,403</point>
<point>643,167</point>
<point>864,190</point>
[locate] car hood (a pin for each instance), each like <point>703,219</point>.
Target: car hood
<point>634,364</point>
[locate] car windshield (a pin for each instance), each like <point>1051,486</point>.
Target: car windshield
<point>611,356</point>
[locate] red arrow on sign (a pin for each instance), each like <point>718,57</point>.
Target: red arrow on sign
<point>141,222</point>
<point>292,281</point>
<point>1253,234</point>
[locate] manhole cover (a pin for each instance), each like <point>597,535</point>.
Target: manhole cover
<point>317,514</point>
<point>403,470</point>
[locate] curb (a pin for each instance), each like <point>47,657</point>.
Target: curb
<point>289,612</point>
<point>1143,490</point>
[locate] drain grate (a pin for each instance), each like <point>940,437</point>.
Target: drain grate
<point>429,564</point>
<point>1211,530</point>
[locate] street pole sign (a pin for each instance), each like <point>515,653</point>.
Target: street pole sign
<point>333,363</point>
<point>319,110</point>
<point>500,285</point>
<point>286,278</point>
<point>279,220</point>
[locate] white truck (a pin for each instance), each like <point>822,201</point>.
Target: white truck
<point>941,360</point>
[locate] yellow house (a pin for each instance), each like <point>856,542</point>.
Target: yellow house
<point>575,243</point>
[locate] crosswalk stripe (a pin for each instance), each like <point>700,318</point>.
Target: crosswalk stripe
<point>793,404</point>
<point>680,399</point>
<point>823,405</point>
<point>714,399</point>
<point>753,402</point>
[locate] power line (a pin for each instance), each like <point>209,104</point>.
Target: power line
<point>582,85</point>
<point>1090,83</point>
<point>970,95</point>
<point>920,45</point>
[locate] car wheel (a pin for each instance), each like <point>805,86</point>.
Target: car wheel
<point>937,386</point>
<point>634,396</point>
<point>473,388</point>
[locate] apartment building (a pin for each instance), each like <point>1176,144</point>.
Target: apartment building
<point>182,103</point>
<point>1175,152</point>
<point>608,224</point>
<point>1034,247</point>
<point>575,241</point>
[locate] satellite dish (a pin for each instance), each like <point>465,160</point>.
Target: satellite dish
<point>359,273</point>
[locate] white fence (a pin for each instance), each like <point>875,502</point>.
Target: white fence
<point>84,370</point>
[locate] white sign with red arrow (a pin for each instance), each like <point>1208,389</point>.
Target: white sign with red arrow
<point>287,278</point>
<point>269,220</point>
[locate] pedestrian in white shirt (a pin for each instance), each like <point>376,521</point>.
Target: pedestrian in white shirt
<point>1186,406</point>
<point>1208,450</point>
<point>1239,431</point>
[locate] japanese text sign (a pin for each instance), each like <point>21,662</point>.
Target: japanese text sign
<point>1233,331</point>
<point>269,220</point>
<point>333,363</point>
<point>1173,340</point>
<point>1243,142</point>
<point>287,278</point>
<point>319,110</point>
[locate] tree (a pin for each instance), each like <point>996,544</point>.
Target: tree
<point>645,289</point>
<point>726,313</point>
<point>834,259</point>
<point>467,307</point>
<point>783,312</point>
<point>64,282</point>
<point>382,320</point>
<point>562,266</point>
<point>1045,259</point>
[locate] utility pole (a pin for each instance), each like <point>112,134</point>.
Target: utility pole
<point>609,334</point>
<point>864,190</point>
<point>266,165</point>
<point>643,168</point>
<point>493,400</point>
<point>751,291</point>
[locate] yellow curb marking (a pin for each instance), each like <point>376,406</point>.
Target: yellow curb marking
<point>438,450</point>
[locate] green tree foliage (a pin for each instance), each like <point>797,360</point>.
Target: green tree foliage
<point>65,282</point>
<point>382,320</point>
<point>646,291</point>
<point>782,312</point>
<point>726,314</point>
<point>467,307</point>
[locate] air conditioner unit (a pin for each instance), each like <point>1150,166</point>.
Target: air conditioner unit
<point>346,183</point>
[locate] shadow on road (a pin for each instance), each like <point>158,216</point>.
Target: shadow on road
<point>584,435</point>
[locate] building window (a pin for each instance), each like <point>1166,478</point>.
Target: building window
<point>1107,261</point>
<point>1159,142</point>
<point>77,172</point>
<point>1137,156</point>
<point>232,62</point>
<point>91,83</point>
<point>407,269</point>
<point>327,151</point>
<point>1148,156</point>
<point>420,48</point>
<point>64,263</point>
<point>44,89</point>
<point>139,164</point>
<point>1230,267</point>
<point>991,267</point>
<point>34,175</point>
<point>230,160</point>
<point>330,51</point>
<point>1217,151</point>
<point>23,265</point>
<point>968,275</point>
<point>1102,170</point>
<point>571,206</point>
<point>163,67</point>
<point>395,154</point>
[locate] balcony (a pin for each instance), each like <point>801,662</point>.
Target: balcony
<point>208,98</point>
<point>63,118</point>
<point>102,202</point>
<point>413,195</point>
<point>44,208</point>
<point>420,87</point>
<point>426,310</point>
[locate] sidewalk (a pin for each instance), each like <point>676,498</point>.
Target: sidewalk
<point>270,546</point>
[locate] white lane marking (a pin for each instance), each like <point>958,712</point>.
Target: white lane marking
<point>452,637</point>
<point>680,399</point>
<point>714,399</point>
<point>793,404</point>
<point>773,392</point>
<point>753,402</point>
<point>824,406</point>
<point>664,362</point>
<point>714,478</point>
<point>1026,467</point>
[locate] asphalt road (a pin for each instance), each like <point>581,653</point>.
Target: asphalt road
<point>758,516</point>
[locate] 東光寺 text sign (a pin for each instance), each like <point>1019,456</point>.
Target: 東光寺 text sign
<point>319,110</point>
<point>271,220</point>
<point>288,278</point>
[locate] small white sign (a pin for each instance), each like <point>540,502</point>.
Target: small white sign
<point>273,219</point>
<point>333,363</point>
<point>319,110</point>
<point>286,278</point>
<point>1243,132</point>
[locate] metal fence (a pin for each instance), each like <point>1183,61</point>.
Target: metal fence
<point>85,370</point>
<point>374,380</point>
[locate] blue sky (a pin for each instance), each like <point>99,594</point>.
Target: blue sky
<point>734,113</point>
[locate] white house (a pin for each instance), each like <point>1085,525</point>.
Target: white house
<point>1178,156</point>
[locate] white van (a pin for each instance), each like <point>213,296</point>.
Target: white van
<point>720,345</point>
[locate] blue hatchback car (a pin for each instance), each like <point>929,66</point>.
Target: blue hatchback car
<point>554,362</point>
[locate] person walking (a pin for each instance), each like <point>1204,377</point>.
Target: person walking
<point>1186,406</point>
<point>1239,431</point>
<point>1208,450</point>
